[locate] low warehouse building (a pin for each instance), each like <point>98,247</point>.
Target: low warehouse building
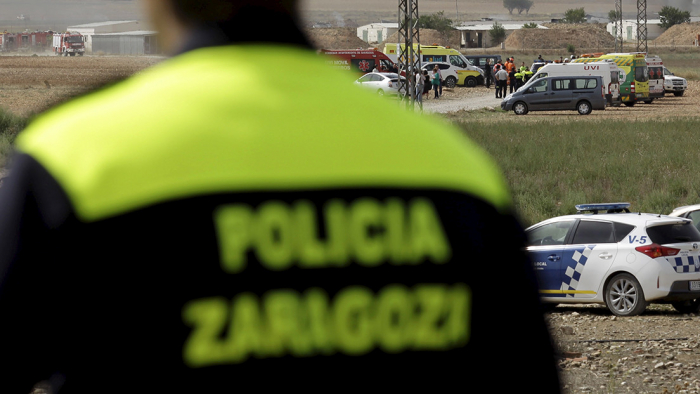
<point>90,29</point>
<point>128,43</point>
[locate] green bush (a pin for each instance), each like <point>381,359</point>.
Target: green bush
<point>575,15</point>
<point>10,126</point>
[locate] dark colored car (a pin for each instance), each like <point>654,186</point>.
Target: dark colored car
<point>480,60</point>
<point>580,93</point>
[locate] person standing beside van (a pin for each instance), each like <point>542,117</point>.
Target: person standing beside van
<point>502,76</point>
<point>488,71</point>
<point>419,86</point>
<point>426,84</point>
<point>436,81</point>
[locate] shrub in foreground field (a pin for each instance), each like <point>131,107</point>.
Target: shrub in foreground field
<point>10,125</point>
<point>653,165</point>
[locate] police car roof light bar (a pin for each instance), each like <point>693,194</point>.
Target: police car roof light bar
<point>612,207</point>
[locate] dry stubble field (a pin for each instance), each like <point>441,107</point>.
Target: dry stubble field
<point>658,352</point>
<point>30,84</point>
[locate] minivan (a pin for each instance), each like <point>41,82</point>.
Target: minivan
<point>608,70</point>
<point>579,93</point>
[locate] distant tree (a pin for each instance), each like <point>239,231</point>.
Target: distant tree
<point>525,5</point>
<point>570,48</point>
<point>575,15</point>
<point>510,5</point>
<point>520,5</point>
<point>613,16</point>
<point>436,21</point>
<point>497,33</point>
<point>531,25</point>
<point>670,16</point>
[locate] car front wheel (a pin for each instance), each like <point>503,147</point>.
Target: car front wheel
<point>678,94</point>
<point>689,306</point>
<point>584,108</point>
<point>624,296</point>
<point>520,108</point>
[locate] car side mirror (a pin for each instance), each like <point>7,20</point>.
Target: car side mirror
<point>530,90</point>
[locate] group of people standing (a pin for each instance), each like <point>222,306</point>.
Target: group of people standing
<point>505,76</point>
<point>427,81</point>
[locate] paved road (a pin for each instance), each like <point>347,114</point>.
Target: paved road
<point>477,98</point>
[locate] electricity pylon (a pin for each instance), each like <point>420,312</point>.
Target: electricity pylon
<point>408,58</point>
<point>642,26</point>
<point>618,26</point>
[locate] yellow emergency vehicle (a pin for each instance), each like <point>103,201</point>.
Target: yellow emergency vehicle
<point>469,75</point>
<point>634,76</point>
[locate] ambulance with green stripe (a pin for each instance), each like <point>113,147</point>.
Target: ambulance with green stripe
<point>468,74</point>
<point>634,76</point>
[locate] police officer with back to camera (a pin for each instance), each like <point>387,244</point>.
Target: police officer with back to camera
<point>207,227</point>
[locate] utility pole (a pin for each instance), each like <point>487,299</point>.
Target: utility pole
<point>618,26</point>
<point>408,58</point>
<point>642,26</point>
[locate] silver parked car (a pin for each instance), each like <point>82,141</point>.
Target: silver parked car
<point>691,212</point>
<point>578,93</point>
<point>380,83</point>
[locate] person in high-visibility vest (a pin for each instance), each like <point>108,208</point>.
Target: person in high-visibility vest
<point>208,227</point>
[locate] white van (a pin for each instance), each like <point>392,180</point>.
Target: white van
<point>608,70</point>
<point>656,78</point>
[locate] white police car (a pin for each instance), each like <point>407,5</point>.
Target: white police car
<point>621,259</point>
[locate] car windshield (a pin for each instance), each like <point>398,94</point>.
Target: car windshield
<point>74,39</point>
<point>674,233</point>
<point>458,61</point>
<point>549,234</point>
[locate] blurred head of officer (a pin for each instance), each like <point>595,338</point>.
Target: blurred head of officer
<point>233,19</point>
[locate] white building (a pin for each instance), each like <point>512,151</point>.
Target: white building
<point>377,32</point>
<point>476,34</point>
<point>629,29</point>
<point>91,29</point>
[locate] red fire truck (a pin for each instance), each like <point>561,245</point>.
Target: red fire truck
<point>68,44</point>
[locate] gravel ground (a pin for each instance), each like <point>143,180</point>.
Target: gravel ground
<point>658,352</point>
<point>462,99</point>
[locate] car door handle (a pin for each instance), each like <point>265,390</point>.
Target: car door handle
<point>553,257</point>
<point>605,256</point>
